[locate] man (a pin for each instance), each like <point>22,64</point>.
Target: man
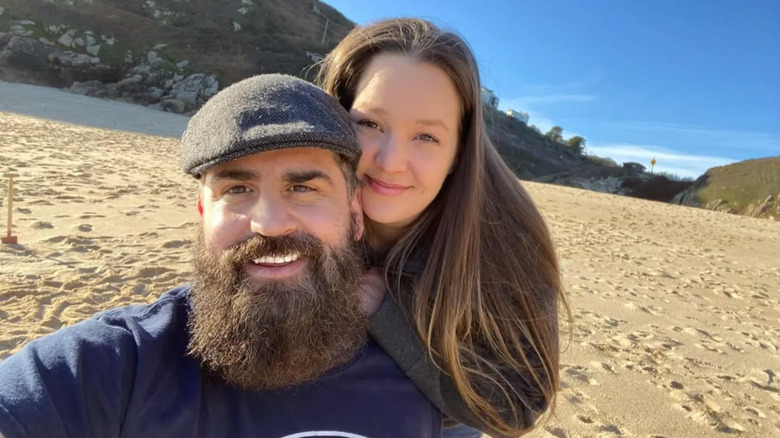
<point>270,339</point>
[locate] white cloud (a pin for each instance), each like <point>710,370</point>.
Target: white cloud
<point>667,160</point>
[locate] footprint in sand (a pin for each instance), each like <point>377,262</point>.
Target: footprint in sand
<point>177,243</point>
<point>580,373</point>
<point>42,225</point>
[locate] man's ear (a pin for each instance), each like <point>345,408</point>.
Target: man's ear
<point>200,206</point>
<point>356,207</point>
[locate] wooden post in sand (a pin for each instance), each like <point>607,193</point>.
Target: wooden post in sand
<point>9,239</point>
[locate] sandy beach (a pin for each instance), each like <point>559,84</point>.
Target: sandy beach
<point>676,310</point>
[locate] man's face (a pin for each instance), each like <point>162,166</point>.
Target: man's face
<point>275,298</point>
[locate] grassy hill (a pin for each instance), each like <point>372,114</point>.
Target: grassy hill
<point>749,187</point>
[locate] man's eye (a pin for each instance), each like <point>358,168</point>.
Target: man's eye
<point>298,188</point>
<point>237,190</point>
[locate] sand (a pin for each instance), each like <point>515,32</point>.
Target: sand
<point>676,310</point>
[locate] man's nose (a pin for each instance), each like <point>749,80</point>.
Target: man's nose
<point>391,156</point>
<point>271,217</point>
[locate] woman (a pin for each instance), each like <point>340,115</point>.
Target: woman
<point>468,258</point>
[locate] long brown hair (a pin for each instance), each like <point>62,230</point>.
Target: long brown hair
<point>486,303</point>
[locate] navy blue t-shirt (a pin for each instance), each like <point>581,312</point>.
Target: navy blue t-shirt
<point>124,373</point>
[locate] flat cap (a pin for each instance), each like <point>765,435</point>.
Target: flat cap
<point>264,113</point>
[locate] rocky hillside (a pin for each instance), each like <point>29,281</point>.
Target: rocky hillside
<point>174,54</point>
<point>750,188</point>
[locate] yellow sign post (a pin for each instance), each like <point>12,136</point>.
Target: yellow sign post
<point>652,165</point>
<point>9,239</point>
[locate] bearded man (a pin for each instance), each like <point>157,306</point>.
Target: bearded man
<point>270,338</point>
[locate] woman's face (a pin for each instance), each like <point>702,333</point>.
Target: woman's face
<point>406,116</point>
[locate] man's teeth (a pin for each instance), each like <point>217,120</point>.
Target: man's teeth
<point>268,260</point>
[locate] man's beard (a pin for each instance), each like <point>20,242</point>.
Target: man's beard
<point>271,334</point>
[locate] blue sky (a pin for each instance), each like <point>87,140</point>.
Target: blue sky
<point>694,83</point>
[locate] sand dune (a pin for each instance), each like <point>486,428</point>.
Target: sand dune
<point>676,310</point>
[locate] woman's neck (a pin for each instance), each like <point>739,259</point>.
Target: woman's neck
<point>384,236</point>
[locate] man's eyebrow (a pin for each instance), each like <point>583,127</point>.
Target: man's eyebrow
<point>235,174</point>
<point>302,176</point>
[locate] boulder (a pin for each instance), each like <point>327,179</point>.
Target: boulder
<point>66,40</point>
<point>90,88</point>
<point>70,67</point>
<point>70,59</point>
<point>172,105</point>
<point>189,98</point>
<point>93,50</point>
<point>4,38</point>
<point>25,53</point>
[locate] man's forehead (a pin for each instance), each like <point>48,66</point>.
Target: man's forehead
<point>277,163</point>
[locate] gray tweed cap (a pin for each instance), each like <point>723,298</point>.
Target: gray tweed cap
<point>264,113</point>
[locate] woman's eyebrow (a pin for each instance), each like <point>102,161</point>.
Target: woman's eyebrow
<point>433,122</point>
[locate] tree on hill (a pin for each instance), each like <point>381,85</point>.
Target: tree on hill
<point>577,144</point>
<point>555,134</point>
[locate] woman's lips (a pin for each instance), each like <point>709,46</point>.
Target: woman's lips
<point>384,188</point>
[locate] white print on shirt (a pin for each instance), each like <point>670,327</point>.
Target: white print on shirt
<point>324,434</point>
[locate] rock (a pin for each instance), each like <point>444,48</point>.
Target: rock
<point>236,27</point>
<point>25,53</point>
<point>43,40</point>
<point>20,30</point>
<point>79,42</point>
<point>172,105</point>
<point>155,94</point>
<point>159,46</point>
<point>189,98</point>
<point>70,59</point>
<point>26,22</point>
<point>89,40</point>
<point>2,9</point>
<point>212,86</point>
<point>4,38</point>
<point>143,70</point>
<point>93,50</point>
<point>90,88</point>
<point>154,59</point>
<point>70,67</point>
<point>182,64</point>
<point>66,40</point>
<point>130,82</point>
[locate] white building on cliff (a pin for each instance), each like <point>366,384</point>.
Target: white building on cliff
<point>518,115</point>
<point>489,98</point>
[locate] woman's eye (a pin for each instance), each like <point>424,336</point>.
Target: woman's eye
<point>428,137</point>
<point>368,124</point>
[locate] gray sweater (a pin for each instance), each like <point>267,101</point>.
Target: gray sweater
<point>390,328</point>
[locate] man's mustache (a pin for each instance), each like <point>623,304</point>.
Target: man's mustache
<point>256,246</point>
